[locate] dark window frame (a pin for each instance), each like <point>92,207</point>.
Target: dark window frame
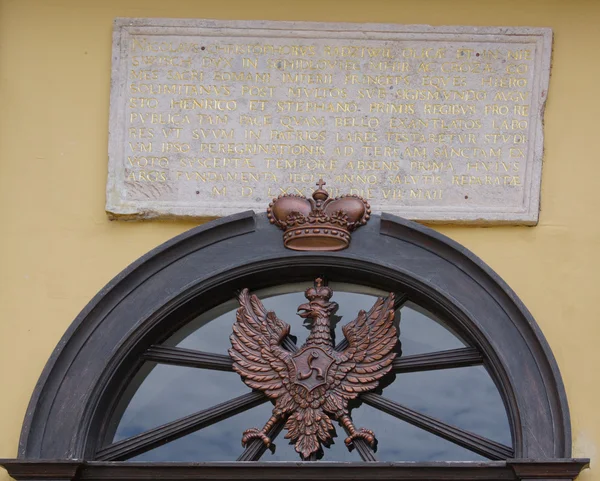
<point>165,289</point>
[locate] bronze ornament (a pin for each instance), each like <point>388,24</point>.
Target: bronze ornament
<point>319,223</point>
<point>313,385</point>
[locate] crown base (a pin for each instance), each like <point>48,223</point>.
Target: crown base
<point>312,238</point>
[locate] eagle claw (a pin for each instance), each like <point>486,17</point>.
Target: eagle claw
<point>254,433</point>
<point>362,433</point>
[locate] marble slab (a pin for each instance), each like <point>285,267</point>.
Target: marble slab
<point>436,124</point>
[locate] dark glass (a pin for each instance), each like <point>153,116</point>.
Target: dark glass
<point>399,441</point>
<point>166,393</point>
<point>219,442</point>
<point>465,397</point>
<point>222,442</point>
<point>210,331</point>
<point>422,332</point>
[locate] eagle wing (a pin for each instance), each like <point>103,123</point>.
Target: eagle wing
<point>256,349</point>
<point>371,338</point>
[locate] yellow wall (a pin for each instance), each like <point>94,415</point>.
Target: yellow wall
<point>57,248</point>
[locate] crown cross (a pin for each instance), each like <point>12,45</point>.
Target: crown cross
<point>319,223</point>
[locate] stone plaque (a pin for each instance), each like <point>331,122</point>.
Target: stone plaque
<point>438,124</point>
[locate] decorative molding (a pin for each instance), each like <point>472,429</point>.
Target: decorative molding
<point>511,470</point>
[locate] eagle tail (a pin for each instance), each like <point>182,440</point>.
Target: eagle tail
<point>308,428</point>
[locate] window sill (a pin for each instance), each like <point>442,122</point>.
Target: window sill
<point>514,469</point>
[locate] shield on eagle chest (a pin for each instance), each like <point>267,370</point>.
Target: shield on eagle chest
<point>312,365</point>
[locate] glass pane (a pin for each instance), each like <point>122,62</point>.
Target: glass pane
<point>166,393</point>
<point>422,332</point>
<point>465,397</point>
<point>222,442</point>
<point>399,441</point>
<point>219,442</point>
<point>210,331</point>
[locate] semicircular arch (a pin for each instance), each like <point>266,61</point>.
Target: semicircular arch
<point>203,267</point>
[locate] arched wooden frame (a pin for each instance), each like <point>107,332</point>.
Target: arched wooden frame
<point>168,287</point>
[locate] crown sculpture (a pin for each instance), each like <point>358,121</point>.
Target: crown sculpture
<point>319,223</point>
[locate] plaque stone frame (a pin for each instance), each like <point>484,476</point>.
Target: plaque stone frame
<point>477,190</point>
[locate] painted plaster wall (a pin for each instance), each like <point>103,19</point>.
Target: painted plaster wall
<point>57,248</point>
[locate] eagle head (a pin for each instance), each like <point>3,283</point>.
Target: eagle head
<point>317,308</point>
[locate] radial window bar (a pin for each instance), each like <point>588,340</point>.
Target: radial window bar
<point>141,443</point>
<point>256,448</point>
<point>463,357</point>
<point>178,356</point>
<point>473,442</point>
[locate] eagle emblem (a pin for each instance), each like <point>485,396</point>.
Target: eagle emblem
<point>312,386</point>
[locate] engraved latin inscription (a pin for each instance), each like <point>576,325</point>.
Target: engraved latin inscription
<point>432,124</point>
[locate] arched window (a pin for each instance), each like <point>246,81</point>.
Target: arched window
<point>438,404</point>
<point>143,375</point>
